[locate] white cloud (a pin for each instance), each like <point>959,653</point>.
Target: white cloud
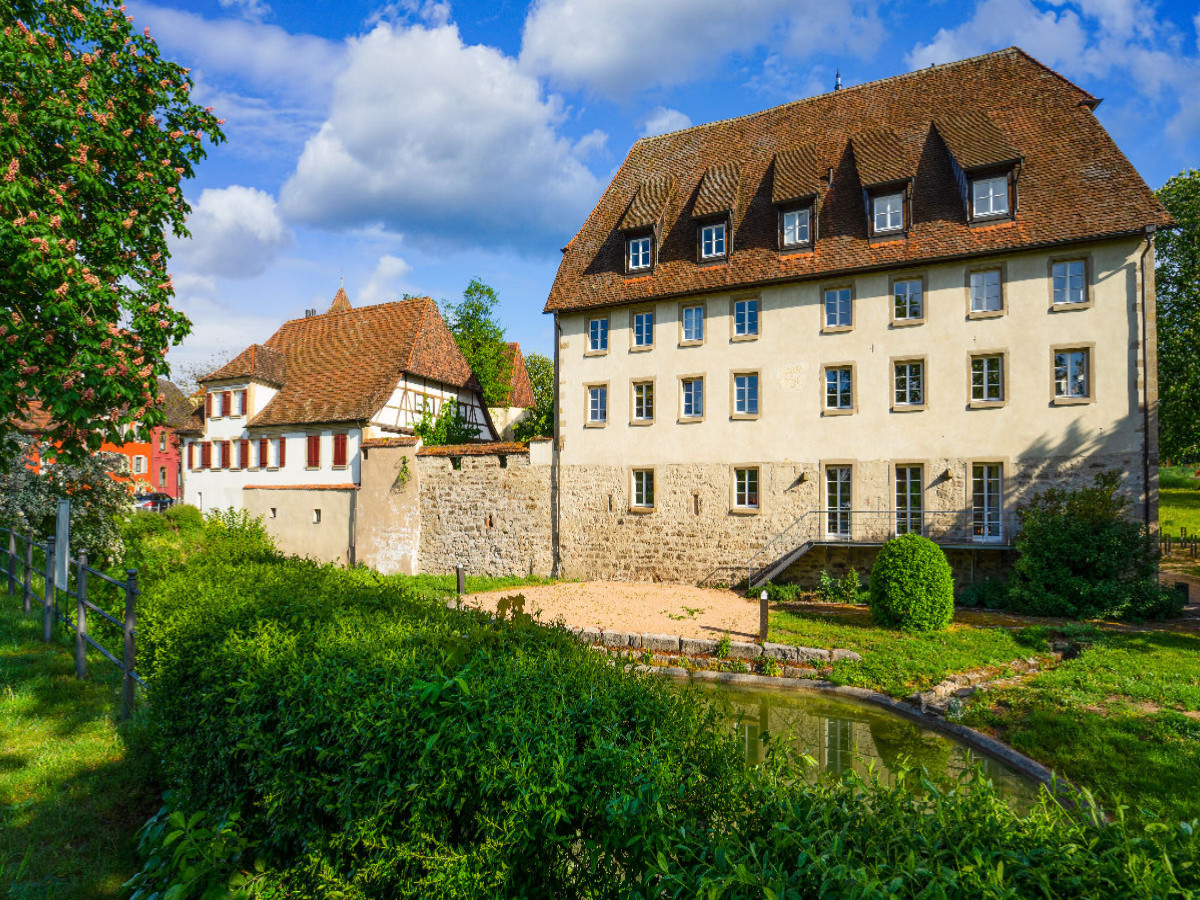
<point>619,47</point>
<point>254,10</point>
<point>384,283</point>
<point>663,120</point>
<point>445,141</point>
<point>218,328</point>
<point>236,233</point>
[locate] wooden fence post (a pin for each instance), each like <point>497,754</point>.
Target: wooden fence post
<point>127,684</point>
<point>12,562</point>
<point>48,594</point>
<point>26,588</point>
<point>81,617</point>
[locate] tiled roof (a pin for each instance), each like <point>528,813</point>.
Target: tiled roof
<point>974,140</point>
<point>796,175</point>
<point>175,405</point>
<point>401,441</point>
<point>882,156</point>
<point>341,302</point>
<point>1073,185</point>
<point>36,420</point>
<point>648,204</point>
<point>718,191</point>
<point>257,363</point>
<point>520,388</point>
<point>497,448</point>
<point>343,365</point>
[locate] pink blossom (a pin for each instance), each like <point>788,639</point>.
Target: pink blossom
<point>89,394</point>
<point>11,339</point>
<point>106,343</point>
<point>62,289</point>
<point>19,221</point>
<point>56,221</point>
<point>76,13</point>
<point>163,323</point>
<point>152,308</point>
<point>30,370</point>
<point>70,245</point>
<point>13,167</point>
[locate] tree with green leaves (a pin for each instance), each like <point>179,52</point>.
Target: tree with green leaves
<point>539,421</point>
<point>97,133</point>
<point>480,337</point>
<point>1177,277</point>
<point>449,426</point>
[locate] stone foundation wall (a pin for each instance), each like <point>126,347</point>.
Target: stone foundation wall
<point>491,520</point>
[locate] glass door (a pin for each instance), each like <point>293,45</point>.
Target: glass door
<point>909,500</point>
<point>838,501</point>
<point>986,505</point>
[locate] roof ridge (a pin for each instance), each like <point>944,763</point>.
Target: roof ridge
<point>1007,51</point>
<point>417,336</point>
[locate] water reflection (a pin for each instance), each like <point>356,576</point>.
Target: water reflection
<point>843,735</point>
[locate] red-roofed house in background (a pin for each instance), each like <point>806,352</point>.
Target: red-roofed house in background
<point>520,394</point>
<point>281,428</point>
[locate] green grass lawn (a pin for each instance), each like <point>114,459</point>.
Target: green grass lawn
<point>74,787</point>
<point>1179,501</point>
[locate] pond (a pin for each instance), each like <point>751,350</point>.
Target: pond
<point>843,734</point>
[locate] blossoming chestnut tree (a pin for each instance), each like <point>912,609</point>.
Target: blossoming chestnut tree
<point>97,133</point>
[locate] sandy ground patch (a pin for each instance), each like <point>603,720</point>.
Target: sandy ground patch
<point>638,607</point>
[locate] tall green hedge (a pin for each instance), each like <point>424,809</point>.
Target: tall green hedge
<point>329,733</point>
<point>912,586</point>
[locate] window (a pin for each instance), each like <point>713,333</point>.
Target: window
<point>908,300</point>
<point>986,293</point>
<point>339,450</point>
<point>313,459</point>
<point>909,499</point>
<point>274,513</point>
<point>1070,282</point>
<point>796,227</point>
<point>712,241</point>
<point>241,403</point>
<point>205,455</point>
<point>263,451</point>
<point>989,197</point>
<point>745,318</point>
<point>226,403</point>
<point>692,394</point>
<point>639,253</point>
<point>887,213</point>
<point>693,324</point>
<point>987,379</point>
<point>839,387</point>
<point>745,394</point>
<point>598,335</point>
<point>985,500</point>
<point>1071,376</point>
<point>910,383</point>
<point>745,488</point>
<point>643,489</point>
<point>643,329</point>
<point>838,308</point>
<point>316,517</point>
<point>282,461</point>
<point>598,405</point>
<point>243,454</point>
<point>162,440</point>
<point>139,465</point>
<point>643,401</point>
<point>838,503</point>
<point>162,476</point>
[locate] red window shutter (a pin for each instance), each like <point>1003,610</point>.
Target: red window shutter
<point>191,454</point>
<point>226,403</point>
<point>226,455</point>
<point>208,405</point>
<point>242,404</point>
<point>282,451</point>
<point>262,453</point>
<point>339,449</point>
<point>314,451</point>
<point>205,455</point>
<point>243,454</point>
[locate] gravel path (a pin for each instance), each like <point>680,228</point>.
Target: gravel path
<point>647,608</point>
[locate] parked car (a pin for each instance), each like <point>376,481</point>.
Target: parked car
<point>155,502</point>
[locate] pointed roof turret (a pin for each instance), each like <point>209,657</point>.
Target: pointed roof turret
<point>341,303</point>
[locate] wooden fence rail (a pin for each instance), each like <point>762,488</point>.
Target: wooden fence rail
<point>20,569</point>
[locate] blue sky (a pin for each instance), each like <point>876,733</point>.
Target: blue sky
<point>410,146</point>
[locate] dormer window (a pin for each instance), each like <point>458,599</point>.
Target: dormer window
<point>887,213</point>
<point>712,240</point>
<point>796,227</point>
<point>640,253</point>
<point>989,196</point>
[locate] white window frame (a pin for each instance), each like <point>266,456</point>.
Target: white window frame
<point>796,227</point>
<point>840,391</point>
<point>989,197</point>
<point>692,324</point>
<point>643,329</point>
<point>139,465</point>
<point>746,495</point>
<point>597,412</point>
<point>841,313</point>
<point>745,394</point>
<point>641,494</point>
<point>1071,367</point>
<point>987,501</point>
<point>991,370</point>
<point>839,500</point>
<point>981,282</point>
<point>714,240</point>
<point>905,299</point>
<point>746,313</point>
<point>695,394</point>
<point>887,212</point>
<point>598,335</point>
<point>1067,294</point>
<point>643,401</point>
<point>904,396</point>
<point>910,498</point>
<point>639,253</point>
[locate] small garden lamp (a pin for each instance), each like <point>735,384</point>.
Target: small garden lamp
<point>762,615</point>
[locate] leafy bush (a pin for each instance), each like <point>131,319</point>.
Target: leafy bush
<point>839,590</point>
<point>184,516</point>
<point>777,593</point>
<point>990,593</point>
<point>1082,557</point>
<point>911,585</point>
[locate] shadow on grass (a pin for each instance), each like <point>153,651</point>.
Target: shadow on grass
<point>74,785</point>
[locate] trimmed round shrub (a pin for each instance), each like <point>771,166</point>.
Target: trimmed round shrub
<point>911,585</point>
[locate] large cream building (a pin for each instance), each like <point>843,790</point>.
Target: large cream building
<point>902,306</point>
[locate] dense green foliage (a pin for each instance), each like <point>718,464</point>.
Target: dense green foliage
<point>539,421</point>
<point>480,337</point>
<point>911,585</point>
<point>332,733</point>
<point>1081,556</point>
<point>1177,282</point>
<point>1179,502</point>
<point>988,593</point>
<point>449,426</point>
<point>29,495</point>
<point>839,590</point>
<point>98,135</point>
